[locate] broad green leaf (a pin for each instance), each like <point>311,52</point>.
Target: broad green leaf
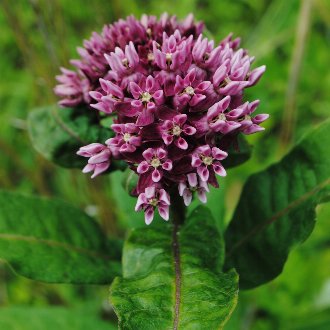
<point>172,277</point>
<point>238,154</point>
<point>52,318</point>
<point>276,210</point>
<point>51,241</point>
<point>59,133</point>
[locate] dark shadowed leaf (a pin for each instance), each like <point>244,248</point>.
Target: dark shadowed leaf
<point>59,133</point>
<point>238,154</point>
<point>172,277</point>
<point>276,210</point>
<point>51,241</point>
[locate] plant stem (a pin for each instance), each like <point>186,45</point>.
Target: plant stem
<point>178,209</point>
<point>290,113</point>
<point>178,215</point>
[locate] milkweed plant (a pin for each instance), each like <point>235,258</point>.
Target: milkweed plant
<point>157,99</point>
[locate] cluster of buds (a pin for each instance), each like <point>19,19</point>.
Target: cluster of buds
<point>175,97</point>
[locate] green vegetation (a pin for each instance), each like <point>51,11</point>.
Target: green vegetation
<point>290,37</point>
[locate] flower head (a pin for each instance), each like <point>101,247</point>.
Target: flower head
<point>174,97</point>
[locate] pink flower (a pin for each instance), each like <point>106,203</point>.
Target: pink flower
<point>174,52</point>
<point>172,130</point>
<point>221,121</point>
<point>155,161</point>
<point>127,138</point>
<point>148,95</point>
<point>123,61</point>
<point>193,184</point>
<point>189,90</point>
<point>153,198</point>
<point>207,159</point>
<point>250,125</point>
<point>99,158</point>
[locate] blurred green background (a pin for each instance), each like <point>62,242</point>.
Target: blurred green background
<point>291,37</point>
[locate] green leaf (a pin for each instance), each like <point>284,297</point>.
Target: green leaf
<point>59,133</point>
<point>238,154</point>
<point>276,210</point>
<point>51,318</point>
<point>51,241</point>
<point>172,277</point>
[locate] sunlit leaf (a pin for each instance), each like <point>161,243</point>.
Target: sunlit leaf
<point>51,241</point>
<point>172,277</point>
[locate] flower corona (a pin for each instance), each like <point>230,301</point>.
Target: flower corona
<point>176,99</point>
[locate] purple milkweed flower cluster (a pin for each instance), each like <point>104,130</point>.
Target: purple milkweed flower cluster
<point>176,98</point>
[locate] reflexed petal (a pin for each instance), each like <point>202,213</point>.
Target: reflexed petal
<point>158,96</point>
<point>187,197</point>
<point>101,157</point>
<point>192,179</point>
<point>214,111</point>
<point>167,166</point>
<point>164,197</point>
<point>203,172</point>
<point>143,167</point>
<point>220,73</point>
<point>203,86</point>
<point>88,168</point>
<point>218,168</point>
<point>118,128</point>
<point>181,187</point>
<point>90,149</point>
<point>204,185</point>
<point>135,89</point>
<point>228,127</point>
<point>196,99</point>
<point>253,129</point>
<point>258,119</point>
<point>180,119</point>
<point>156,175</point>
<point>126,147</point>
<point>161,153</point>
<point>256,74</point>
<point>150,192</point>
<point>149,215</point>
<point>137,104</point>
<point>181,143</point>
<point>164,212</point>
<point>168,139</point>
<point>150,83</point>
<point>218,153</point>
<point>202,195</point>
<point>189,130</point>
<point>205,150</point>
<point>100,168</point>
<point>140,202</point>
<point>148,154</point>
<point>195,161</point>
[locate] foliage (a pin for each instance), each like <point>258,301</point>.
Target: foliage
<point>277,210</point>
<point>173,275</point>
<point>36,38</point>
<point>68,243</point>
